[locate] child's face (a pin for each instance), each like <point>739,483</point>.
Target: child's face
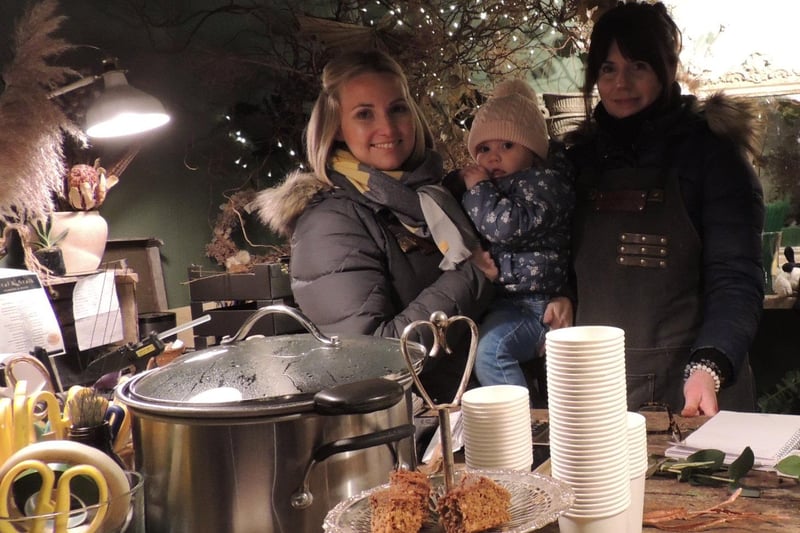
<point>377,125</point>
<point>501,158</point>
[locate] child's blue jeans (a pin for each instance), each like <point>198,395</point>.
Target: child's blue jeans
<point>512,332</point>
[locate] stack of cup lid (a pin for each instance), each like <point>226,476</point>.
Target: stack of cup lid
<point>497,428</point>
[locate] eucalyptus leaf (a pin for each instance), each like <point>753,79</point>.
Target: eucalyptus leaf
<point>742,465</point>
<point>707,468</point>
<point>716,457</point>
<point>789,466</point>
<point>704,480</point>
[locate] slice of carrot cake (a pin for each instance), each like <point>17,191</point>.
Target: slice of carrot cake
<point>403,506</point>
<point>477,503</point>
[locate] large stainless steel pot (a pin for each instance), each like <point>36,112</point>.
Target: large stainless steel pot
<point>267,434</point>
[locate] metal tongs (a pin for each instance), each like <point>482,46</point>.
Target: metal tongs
<point>439,323</point>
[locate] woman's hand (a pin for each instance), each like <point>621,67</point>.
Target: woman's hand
<point>558,313</point>
<point>699,394</point>
<point>483,260</point>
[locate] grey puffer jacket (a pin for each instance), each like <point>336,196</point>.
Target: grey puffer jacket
<point>355,270</point>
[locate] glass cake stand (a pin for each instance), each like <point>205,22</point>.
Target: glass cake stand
<point>536,501</point>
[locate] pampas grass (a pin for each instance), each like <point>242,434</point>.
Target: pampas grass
<point>32,127</point>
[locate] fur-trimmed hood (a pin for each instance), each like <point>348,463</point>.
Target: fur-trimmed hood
<point>733,118</point>
<point>280,206</point>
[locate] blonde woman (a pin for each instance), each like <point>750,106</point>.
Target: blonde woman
<point>362,257</point>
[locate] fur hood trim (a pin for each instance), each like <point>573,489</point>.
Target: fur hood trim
<point>733,118</point>
<point>280,206</point>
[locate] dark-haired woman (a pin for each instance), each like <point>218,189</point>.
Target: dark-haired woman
<point>669,218</point>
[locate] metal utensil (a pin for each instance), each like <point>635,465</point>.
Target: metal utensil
<point>136,354</point>
<point>439,323</point>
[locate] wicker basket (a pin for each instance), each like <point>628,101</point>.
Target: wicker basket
<point>560,125</point>
<point>565,103</point>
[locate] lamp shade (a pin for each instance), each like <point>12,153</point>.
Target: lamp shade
<point>123,110</point>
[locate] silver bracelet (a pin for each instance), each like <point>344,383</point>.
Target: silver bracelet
<point>691,368</point>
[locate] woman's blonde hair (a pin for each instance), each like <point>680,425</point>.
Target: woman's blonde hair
<point>323,125</point>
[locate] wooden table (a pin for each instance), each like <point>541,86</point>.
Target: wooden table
<point>779,503</point>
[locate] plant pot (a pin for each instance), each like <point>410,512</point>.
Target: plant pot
<point>52,259</point>
<point>85,241</point>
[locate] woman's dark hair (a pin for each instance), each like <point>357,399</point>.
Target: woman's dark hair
<point>643,32</point>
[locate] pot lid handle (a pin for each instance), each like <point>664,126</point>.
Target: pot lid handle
<point>285,310</point>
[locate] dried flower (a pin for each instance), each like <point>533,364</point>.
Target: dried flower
<point>87,186</point>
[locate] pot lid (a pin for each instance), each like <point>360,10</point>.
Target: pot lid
<point>265,375</point>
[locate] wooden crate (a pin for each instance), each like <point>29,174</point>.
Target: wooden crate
<point>236,296</point>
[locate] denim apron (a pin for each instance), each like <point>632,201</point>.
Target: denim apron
<point>638,261</point>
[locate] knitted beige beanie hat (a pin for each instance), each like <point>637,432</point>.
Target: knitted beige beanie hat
<point>511,114</point>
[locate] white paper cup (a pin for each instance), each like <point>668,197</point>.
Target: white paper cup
<point>605,509</point>
<point>636,508</point>
<point>585,335</point>
<point>494,394</point>
<point>602,524</point>
<point>583,352</point>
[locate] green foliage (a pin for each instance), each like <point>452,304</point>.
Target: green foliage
<point>706,468</point>
<point>45,239</point>
<point>789,466</point>
<point>785,397</point>
<point>779,162</point>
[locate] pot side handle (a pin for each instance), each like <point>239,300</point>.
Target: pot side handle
<point>303,498</point>
<point>365,396</point>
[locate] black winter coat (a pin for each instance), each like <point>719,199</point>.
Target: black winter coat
<point>706,146</point>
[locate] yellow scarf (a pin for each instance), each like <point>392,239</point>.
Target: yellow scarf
<point>418,200</point>
<point>345,163</point>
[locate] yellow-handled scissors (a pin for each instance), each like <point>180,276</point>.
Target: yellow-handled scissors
<point>53,498</point>
<point>30,410</point>
<point>6,429</point>
<point>26,367</point>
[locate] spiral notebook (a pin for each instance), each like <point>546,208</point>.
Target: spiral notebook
<point>771,437</point>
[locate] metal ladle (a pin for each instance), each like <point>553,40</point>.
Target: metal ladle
<point>439,323</point>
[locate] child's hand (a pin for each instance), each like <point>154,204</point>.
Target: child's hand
<point>483,260</point>
<point>473,174</point>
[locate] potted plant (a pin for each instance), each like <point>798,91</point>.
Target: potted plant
<point>45,245</point>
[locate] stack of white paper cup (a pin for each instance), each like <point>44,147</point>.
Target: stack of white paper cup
<point>637,455</point>
<point>497,428</point>
<point>587,399</point>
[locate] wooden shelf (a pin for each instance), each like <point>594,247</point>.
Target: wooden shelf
<point>60,294</point>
